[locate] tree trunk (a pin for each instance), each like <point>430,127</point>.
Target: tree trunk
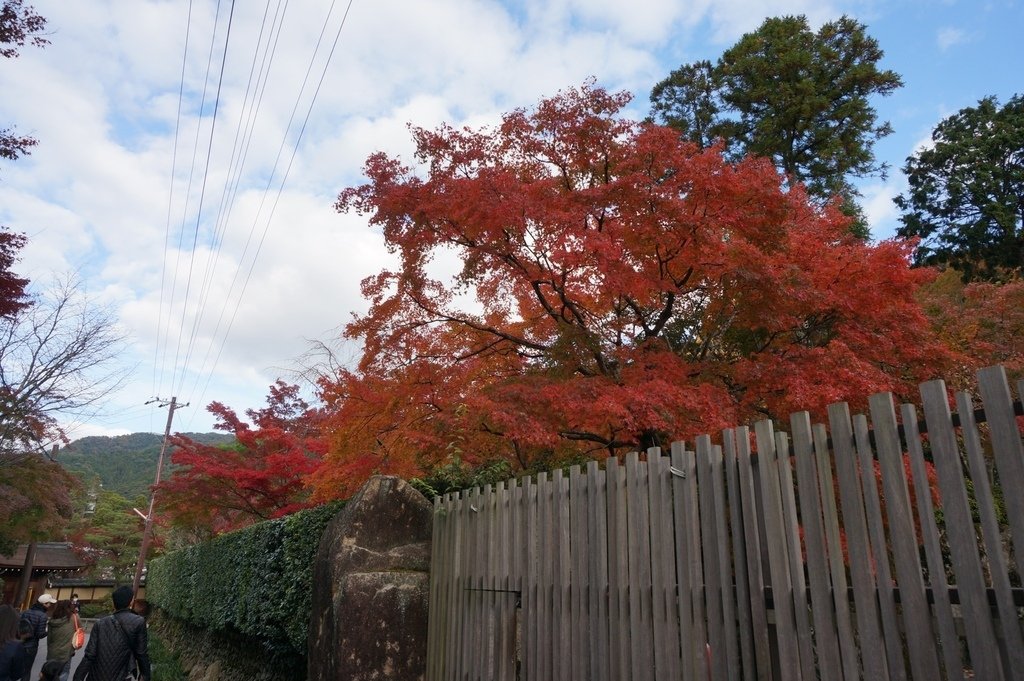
<point>26,576</point>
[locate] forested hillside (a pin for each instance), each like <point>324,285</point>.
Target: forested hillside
<point>125,464</point>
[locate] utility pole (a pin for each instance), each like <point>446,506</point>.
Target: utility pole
<point>148,531</point>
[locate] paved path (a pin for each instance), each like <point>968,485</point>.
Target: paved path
<point>41,657</point>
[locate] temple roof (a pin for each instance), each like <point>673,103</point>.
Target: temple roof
<point>50,557</point>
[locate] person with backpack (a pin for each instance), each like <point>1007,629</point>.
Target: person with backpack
<point>118,644</point>
<point>36,619</point>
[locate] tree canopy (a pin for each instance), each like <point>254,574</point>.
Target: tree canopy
<point>966,194</point>
<point>618,286</point>
<point>798,97</point>
<point>19,26</point>
<point>56,359</point>
<point>261,476</point>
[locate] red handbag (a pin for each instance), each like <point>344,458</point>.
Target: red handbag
<point>78,638</point>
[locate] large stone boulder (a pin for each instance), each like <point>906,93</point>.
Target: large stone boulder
<point>371,587</point>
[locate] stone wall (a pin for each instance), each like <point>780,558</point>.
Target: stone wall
<point>371,587</point>
<point>212,656</point>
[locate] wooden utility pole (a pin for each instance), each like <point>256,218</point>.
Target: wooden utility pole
<point>148,531</point>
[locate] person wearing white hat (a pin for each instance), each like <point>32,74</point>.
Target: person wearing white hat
<point>36,618</point>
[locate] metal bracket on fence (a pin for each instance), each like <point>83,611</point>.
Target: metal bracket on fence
<point>473,508</point>
<point>675,471</point>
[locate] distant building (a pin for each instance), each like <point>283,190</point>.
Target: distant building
<point>52,559</point>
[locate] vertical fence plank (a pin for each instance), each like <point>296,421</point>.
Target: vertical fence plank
<point>659,620</point>
<point>855,524</point>
<point>924,661</point>
<point>1009,623</point>
<point>948,638</point>
<point>791,527</point>
<point>530,663</point>
<point>563,586</point>
<point>669,593</point>
<point>452,600</point>
<point>836,560</point>
<point>963,549</point>
<point>599,591</point>
<point>725,579</point>
<point>546,556</point>
<point>618,565</point>
<point>778,558</point>
<point>739,557</point>
<point>1006,446</point>
<point>462,589</point>
<point>814,539</point>
<point>680,522</point>
<point>709,547</point>
<point>879,550</point>
<point>640,547</point>
<point>435,623</point>
<point>753,542</point>
<point>572,613</point>
<point>503,613</point>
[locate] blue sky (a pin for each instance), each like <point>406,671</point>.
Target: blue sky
<point>100,194</point>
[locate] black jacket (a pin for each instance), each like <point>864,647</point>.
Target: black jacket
<point>113,650</point>
<point>36,616</point>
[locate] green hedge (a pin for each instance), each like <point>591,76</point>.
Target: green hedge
<point>256,581</point>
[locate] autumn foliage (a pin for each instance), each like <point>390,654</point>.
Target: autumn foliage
<point>614,287</point>
<point>259,477</point>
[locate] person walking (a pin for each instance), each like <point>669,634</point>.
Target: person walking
<point>36,618</point>
<point>12,653</point>
<point>118,644</point>
<point>62,630</point>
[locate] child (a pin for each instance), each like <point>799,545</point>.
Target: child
<point>51,670</point>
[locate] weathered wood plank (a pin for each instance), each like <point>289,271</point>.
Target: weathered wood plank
<point>572,614</point>
<point>531,614</point>
<point>814,539</point>
<point>597,622</point>
<point>791,527</point>
<point>669,589</point>
<point>1006,446</point>
<point>681,520</point>
<point>879,550</point>
<point>504,614</point>
<point>618,548</point>
<point>836,561</point>
<point>924,661</point>
<point>638,637</point>
<point>435,628</point>
<point>778,558</point>
<point>855,525</point>
<point>561,587</point>
<point>998,569</point>
<point>739,557</point>
<point>981,639</point>
<point>545,634</point>
<point>753,545</point>
<point>712,572</point>
<point>659,619</point>
<point>641,505</point>
<point>948,638</point>
<point>725,570</point>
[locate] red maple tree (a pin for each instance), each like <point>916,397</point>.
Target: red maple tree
<point>617,288</point>
<point>260,476</point>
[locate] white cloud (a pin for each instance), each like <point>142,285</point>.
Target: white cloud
<point>948,37</point>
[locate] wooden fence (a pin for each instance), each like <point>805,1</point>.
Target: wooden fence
<point>807,559</point>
